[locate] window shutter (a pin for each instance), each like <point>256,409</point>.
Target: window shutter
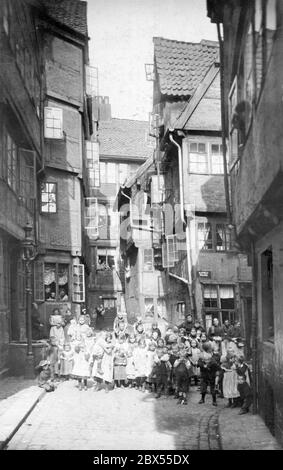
<point>53,123</point>
<point>78,283</point>
<point>166,261</point>
<point>27,177</point>
<point>233,132</point>
<point>172,248</point>
<point>39,281</point>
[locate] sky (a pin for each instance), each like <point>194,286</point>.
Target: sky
<point>121,33</point>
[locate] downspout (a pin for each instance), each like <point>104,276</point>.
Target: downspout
<point>180,176</point>
<point>223,126</point>
<point>180,161</point>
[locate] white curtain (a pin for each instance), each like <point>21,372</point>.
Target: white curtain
<point>226,292</point>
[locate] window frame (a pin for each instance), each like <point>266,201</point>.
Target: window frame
<point>56,197</point>
<point>57,286</point>
<point>198,143</point>
<point>213,227</point>
<point>78,270</point>
<point>92,163</point>
<point>107,251</point>
<point>148,265</point>
<point>94,229</point>
<point>217,311</point>
<point>53,110</point>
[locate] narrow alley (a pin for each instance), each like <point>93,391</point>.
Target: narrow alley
<point>129,419</point>
<point>141,225</point>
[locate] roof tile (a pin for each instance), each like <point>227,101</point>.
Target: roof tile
<point>71,13</point>
<point>182,65</point>
<point>124,138</point>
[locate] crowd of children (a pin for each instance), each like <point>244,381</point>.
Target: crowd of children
<point>165,363</point>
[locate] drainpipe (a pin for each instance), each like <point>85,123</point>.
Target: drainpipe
<point>254,326</point>
<point>180,160</point>
<point>180,177</point>
<point>223,126</point>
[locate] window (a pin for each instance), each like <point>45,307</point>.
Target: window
<point>210,296</point>
<point>148,259</point>
<point>258,30</point>
<point>91,217</point>
<point>53,123</point>
<point>213,235</point>
<point>219,302</point>
<point>78,283</point>
<point>267,295</point>
<point>56,282</point>
<point>217,159</point>
<point>103,222</point>
<point>111,173</point>
<point>270,26</point>
<point>12,156</point>
<point>91,80</point>
<point>223,238</point>
<point>106,258</point>
<point>204,236</point>
<point>226,295</point>
<point>172,248</point>
<point>108,172</point>
<point>248,91</point>
<point>48,198</point>
<point>198,159</point>
<point>233,131</point>
<point>167,261</point>
<point>92,163</point>
<point>149,307</point>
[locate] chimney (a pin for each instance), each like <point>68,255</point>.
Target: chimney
<point>104,108</point>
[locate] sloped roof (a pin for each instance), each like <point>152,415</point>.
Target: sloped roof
<point>70,13</point>
<point>182,65</point>
<point>124,138</point>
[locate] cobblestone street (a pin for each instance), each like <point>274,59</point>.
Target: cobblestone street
<point>121,419</point>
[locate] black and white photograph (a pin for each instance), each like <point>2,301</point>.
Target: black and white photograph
<point>141,229</point>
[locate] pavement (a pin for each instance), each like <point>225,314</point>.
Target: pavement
<point>124,419</point>
<point>18,397</point>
